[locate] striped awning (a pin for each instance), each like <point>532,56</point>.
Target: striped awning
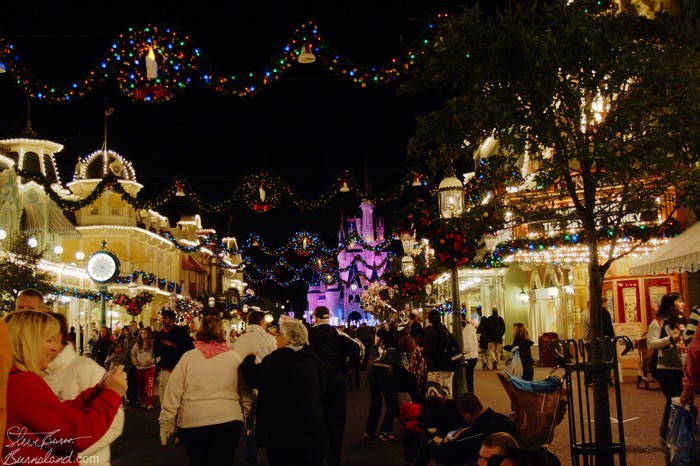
<point>190,263</point>
<point>32,218</point>
<point>58,223</point>
<point>680,254</point>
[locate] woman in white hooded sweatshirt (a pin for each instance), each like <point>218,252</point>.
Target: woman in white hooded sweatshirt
<point>68,375</point>
<point>202,394</point>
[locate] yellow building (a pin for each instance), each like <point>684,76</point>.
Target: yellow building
<point>169,262</point>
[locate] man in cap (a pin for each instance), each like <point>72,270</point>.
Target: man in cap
<point>332,350</point>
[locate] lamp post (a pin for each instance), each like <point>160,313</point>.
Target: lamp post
<point>451,205</point>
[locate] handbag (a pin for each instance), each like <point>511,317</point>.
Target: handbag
<point>515,366</point>
<point>683,437</point>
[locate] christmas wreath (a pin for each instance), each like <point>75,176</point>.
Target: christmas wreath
<point>134,306</point>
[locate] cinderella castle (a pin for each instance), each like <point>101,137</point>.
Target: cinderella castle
<point>361,261</point>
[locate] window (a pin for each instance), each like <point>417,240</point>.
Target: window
<point>116,211</point>
<point>93,210</point>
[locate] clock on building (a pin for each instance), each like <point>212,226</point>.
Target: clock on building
<point>103,267</point>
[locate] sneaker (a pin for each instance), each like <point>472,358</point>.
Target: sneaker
<point>367,436</point>
<point>384,437</point>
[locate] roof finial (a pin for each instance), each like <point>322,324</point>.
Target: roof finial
<point>28,131</point>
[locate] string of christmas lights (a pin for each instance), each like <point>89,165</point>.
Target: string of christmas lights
<point>158,62</point>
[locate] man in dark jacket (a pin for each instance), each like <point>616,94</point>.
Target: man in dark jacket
<point>462,446</point>
<point>414,326</point>
<point>434,342</point>
<point>170,344</point>
<point>332,350</point>
<point>494,337</point>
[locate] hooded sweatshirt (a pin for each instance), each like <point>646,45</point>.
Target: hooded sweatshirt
<point>203,388</point>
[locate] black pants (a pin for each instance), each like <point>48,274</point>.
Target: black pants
<point>382,384</point>
<point>469,371</point>
<point>671,382</point>
<point>334,412</point>
<point>368,349</point>
<point>132,391</point>
<point>213,445</point>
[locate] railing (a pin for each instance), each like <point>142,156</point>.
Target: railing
<point>581,376</point>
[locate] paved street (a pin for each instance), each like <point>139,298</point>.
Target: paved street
<point>139,445</point>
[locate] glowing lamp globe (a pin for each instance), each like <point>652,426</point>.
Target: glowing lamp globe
<point>450,195</point>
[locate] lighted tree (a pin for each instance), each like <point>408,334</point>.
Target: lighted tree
<point>19,270</point>
<point>603,107</point>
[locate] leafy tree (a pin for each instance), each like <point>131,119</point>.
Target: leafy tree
<point>602,107</point>
<point>20,271</point>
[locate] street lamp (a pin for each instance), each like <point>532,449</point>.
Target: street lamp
<point>451,205</point>
<point>523,296</point>
<point>450,195</point>
<point>408,267</point>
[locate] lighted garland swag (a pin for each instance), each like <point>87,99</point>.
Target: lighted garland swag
<point>180,65</point>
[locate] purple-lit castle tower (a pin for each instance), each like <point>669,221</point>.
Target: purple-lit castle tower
<point>359,264</point>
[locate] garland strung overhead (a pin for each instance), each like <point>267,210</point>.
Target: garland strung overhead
<point>156,63</point>
<point>306,258</point>
<point>261,192</point>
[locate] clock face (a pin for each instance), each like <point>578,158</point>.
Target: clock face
<point>102,267</point>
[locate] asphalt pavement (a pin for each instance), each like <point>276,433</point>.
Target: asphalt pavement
<point>641,413</point>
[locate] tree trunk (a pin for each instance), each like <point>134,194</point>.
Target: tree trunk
<point>601,401</point>
<point>460,381</point>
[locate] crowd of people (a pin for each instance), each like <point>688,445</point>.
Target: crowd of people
<point>283,391</point>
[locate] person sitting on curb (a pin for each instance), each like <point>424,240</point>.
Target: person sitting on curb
<point>462,446</point>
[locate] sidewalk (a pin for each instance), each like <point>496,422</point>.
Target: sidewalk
<point>140,445</point>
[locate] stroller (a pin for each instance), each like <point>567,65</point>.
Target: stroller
<point>539,407</point>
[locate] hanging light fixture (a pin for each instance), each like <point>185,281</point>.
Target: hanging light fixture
<point>306,55</point>
<point>552,291</point>
<point>408,267</point>
<point>407,242</point>
<point>450,195</point>
<point>523,296</point>
<point>416,181</point>
<point>344,187</point>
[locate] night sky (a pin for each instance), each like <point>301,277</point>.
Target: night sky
<point>306,127</point>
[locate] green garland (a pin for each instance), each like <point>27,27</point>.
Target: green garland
<point>276,192</point>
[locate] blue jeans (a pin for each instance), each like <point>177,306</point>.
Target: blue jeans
<point>381,384</point>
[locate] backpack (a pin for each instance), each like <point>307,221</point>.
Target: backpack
<point>453,359</point>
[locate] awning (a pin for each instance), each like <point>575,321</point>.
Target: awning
<point>58,223</point>
<point>31,218</point>
<point>680,254</point>
<point>190,263</point>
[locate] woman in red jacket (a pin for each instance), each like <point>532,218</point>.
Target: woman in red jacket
<point>40,428</point>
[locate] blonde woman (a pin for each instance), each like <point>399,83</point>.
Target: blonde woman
<point>74,426</point>
<point>521,339</point>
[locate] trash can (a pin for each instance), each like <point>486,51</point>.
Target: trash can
<point>547,358</point>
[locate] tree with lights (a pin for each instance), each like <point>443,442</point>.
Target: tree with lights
<point>600,107</point>
<point>20,271</point>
